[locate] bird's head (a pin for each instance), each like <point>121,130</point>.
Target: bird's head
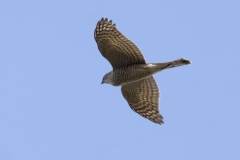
<point>107,78</point>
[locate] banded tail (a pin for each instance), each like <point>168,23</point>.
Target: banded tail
<point>172,64</point>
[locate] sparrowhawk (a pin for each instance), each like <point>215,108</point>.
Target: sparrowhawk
<point>131,71</point>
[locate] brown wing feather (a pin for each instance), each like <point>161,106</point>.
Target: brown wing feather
<point>143,97</point>
<point>115,47</point>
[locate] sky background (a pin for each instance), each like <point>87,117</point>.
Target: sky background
<point>52,103</point>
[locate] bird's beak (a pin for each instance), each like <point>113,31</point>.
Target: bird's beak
<point>102,82</point>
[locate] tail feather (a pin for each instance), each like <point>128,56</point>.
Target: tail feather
<point>177,63</point>
<point>172,64</point>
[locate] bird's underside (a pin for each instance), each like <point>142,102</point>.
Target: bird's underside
<point>132,73</point>
<point>139,87</point>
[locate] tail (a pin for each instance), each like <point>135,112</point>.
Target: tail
<point>172,64</point>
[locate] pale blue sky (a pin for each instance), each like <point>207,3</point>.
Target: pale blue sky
<point>52,103</point>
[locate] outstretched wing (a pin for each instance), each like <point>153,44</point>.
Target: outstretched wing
<point>143,97</point>
<point>115,47</point>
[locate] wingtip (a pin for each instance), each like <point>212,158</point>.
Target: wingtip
<point>105,20</point>
<point>159,121</point>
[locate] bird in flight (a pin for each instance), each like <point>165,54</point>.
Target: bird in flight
<point>131,71</point>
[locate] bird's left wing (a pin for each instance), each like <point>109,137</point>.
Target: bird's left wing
<point>115,47</point>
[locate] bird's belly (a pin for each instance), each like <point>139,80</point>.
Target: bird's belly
<point>126,76</point>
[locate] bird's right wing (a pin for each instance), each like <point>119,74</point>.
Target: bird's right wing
<point>143,97</point>
<point>115,47</point>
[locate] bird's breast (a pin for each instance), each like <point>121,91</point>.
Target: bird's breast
<point>132,73</point>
